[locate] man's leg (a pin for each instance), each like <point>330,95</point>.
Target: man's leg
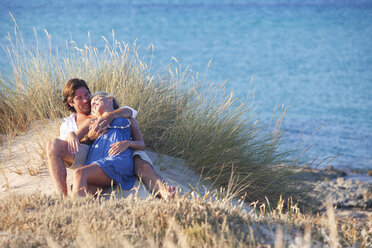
<point>153,182</point>
<point>57,152</point>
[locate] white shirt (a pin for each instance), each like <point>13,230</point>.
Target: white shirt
<point>69,124</point>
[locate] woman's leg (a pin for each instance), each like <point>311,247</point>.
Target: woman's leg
<point>88,177</point>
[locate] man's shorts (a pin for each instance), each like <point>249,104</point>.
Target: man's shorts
<point>81,156</point>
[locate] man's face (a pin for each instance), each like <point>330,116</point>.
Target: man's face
<point>81,101</point>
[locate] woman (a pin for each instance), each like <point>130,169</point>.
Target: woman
<point>110,156</point>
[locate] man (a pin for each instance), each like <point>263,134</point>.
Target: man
<point>68,152</point>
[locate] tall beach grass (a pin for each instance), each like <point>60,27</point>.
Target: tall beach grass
<point>180,113</point>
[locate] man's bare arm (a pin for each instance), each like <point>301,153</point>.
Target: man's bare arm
<point>82,132</point>
<point>120,112</point>
<point>74,139</point>
<point>92,130</point>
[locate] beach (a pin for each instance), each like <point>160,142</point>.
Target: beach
<point>24,171</point>
<point>24,177</point>
<point>24,167</point>
<point>269,101</point>
<point>351,194</point>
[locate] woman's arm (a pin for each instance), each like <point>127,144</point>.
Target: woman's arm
<point>137,139</point>
<point>136,143</point>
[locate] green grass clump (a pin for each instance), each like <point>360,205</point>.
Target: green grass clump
<point>179,114</point>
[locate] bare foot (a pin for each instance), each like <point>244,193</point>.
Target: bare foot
<point>172,190</point>
<point>167,192</point>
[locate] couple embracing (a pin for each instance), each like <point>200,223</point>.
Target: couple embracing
<point>102,142</point>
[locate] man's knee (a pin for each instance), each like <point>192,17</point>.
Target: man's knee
<point>53,147</point>
<point>58,148</point>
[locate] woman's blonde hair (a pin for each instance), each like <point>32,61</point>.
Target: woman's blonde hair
<point>115,102</point>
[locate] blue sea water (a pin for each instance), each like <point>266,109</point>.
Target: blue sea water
<point>313,56</point>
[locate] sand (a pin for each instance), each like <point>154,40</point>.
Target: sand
<point>23,166</point>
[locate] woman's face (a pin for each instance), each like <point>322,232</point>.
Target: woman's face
<point>99,104</point>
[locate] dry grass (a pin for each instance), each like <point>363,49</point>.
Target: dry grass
<point>191,220</point>
<point>48,221</point>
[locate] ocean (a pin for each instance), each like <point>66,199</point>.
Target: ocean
<point>314,57</point>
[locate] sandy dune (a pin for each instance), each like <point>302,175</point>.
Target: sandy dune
<point>23,167</point>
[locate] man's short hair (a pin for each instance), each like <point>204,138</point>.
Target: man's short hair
<point>69,90</point>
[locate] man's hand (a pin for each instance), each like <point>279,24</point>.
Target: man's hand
<point>97,128</point>
<point>108,117</point>
<point>73,143</point>
<point>118,147</point>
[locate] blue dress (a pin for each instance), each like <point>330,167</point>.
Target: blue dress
<point>119,167</point>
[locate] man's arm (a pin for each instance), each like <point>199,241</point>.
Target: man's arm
<point>72,135</point>
<point>106,119</point>
<point>120,112</point>
<point>100,126</point>
<point>82,132</point>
